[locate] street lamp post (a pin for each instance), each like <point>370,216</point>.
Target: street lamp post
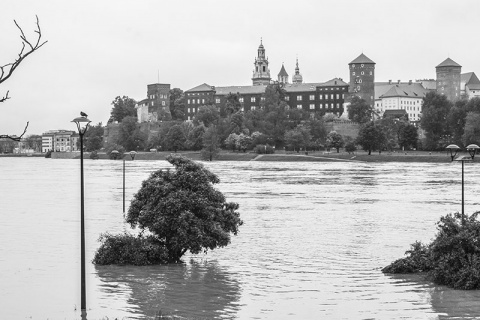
<point>82,126</point>
<point>453,149</point>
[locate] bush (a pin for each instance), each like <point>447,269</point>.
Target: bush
<point>453,257</point>
<point>94,155</point>
<point>48,154</point>
<point>350,147</point>
<point>128,249</point>
<point>114,156</point>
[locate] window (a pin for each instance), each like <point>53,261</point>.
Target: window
<point>240,99</point>
<point>252,99</point>
<point>263,68</point>
<point>287,98</point>
<point>371,72</point>
<point>362,73</point>
<point>343,96</point>
<point>321,105</point>
<point>198,100</point>
<point>252,108</point>
<point>163,103</point>
<point>203,100</point>
<point>152,103</point>
<point>299,98</point>
<point>361,65</point>
<point>338,105</point>
<point>193,110</point>
<point>188,110</point>
<point>312,106</point>
<point>188,101</point>
<point>338,96</point>
<point>242,109</point>
<point>331,96</point>
<point>353,73</point>
<point>217,100</point>
<point>359,80</point>
<point>320,97</point>
<point>299,106</point>
<point>262,98</point>
<point>312,97</point>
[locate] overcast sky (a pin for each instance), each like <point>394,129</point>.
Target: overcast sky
<point>98,50</point>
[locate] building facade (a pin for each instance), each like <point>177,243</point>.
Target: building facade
<point>157,104</point>
<point>469,85</point>
<point>60,141</point>
<point>362,78</point>
<point>448,79</point>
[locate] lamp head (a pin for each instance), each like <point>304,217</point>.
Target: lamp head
<point>133,154</point>
<point>472,149</point>
<point>82,124</point>
<point>453,148</point>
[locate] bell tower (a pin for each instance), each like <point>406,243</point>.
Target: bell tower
<point>362,78</point>
<point>261,73</point>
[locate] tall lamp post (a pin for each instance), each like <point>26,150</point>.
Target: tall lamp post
<point>82,126</point>
<point>472,149</point>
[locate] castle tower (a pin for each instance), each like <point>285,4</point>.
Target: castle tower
<point>261,74</point>
<point>283,75</point>
<point>448,79</point>
<point>297,77</point>
<point>362,78</point>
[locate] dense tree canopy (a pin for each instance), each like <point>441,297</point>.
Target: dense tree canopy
<point>435,111</point>
<point>335,140</point>
<point>94,138</point>
<point>122,107</point>
<point>359,110</point>
<point>183,211</point>
<point>207,115</point>
<point>371,137</point>
<point>177,104</point>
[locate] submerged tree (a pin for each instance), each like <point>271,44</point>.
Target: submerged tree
<point>183,210</point>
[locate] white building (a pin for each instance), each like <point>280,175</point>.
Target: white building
<point>469,85</point>
<point>400,96</point>
<point>60,141</point>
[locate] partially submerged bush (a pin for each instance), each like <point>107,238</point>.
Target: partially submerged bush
<point>453,257</point>
<point>129,249</point>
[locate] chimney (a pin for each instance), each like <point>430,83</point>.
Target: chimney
<point>398,81</point>
<point>409,81</point>
<point>389,81</point>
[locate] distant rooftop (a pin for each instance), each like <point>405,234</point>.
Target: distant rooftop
<point>362,59</point>
<point>448,63</point>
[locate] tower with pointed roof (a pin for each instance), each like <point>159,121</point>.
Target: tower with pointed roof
<point>448,79</point>
<point>297,77</point>
<point>362,78</point>
<point>261,73</point>
<point>283,75</point>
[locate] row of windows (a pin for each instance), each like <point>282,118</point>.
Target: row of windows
<point>163,103</point>
<point>336,88</point>
<point>362,73</point>
<point>197,94</point>
<point>161,96</point>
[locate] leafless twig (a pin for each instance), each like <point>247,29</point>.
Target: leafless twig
<point>14,137</point>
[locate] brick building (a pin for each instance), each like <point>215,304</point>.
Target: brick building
<point>157,104</point>
<point>448,79</point>
<point>362,78</point>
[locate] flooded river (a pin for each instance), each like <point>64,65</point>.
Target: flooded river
<point>314,239</point>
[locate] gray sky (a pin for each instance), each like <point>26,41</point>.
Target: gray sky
<point>99,49</point>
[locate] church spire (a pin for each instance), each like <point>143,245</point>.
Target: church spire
<point>297,77</point>
<point>261,74</point>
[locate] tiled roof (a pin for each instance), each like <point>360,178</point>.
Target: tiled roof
<point>414,90</point>
<point>301,87</point>
<point>469,79</point>
<point>202,87</point>
<point>333,82</point>
<point>362,59</point>
<point>282,72</point>
<point>448,63</point>
<point>240,89</point>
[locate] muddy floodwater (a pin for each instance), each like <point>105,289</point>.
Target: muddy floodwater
<point>314,239</point>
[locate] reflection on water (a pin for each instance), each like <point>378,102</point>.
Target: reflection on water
<point>314,240</point>
<point>197,289</point>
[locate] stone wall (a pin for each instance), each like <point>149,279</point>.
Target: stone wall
<point>344,128</point>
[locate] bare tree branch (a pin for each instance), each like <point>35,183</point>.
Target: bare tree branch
<point>7,70</point>
<point>15,138</point>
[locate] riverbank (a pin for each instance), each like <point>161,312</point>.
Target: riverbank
<point>282,156</point>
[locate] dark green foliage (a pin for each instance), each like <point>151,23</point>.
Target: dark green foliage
<point>453,257</point>
<point>435,110</point>
<point>128,249</point>
<point>207,115</point>
<point>48,154</point>
<point>335,140</point>
<point>350,147</point>
<point>359,110</point>
<point>122,107</point>
<point>371,137</point>
<point>175,138</point>
<point>211,142</point>
<point>182,209</point>
<point>94,155</point>
<point>111,147</point>
<point>130,136</point>
<point>177,104</point>
<point>94,138</point>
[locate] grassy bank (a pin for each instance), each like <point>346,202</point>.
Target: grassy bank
<point>282,156</point>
